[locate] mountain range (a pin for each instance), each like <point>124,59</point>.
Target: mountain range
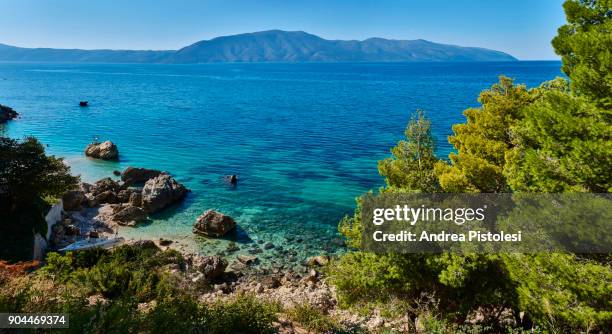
<point>268,46</point>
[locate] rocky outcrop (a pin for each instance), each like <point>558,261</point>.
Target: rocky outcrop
<point>128,215</point>
<point>160,192</point>
<point>105,151</point>
<point>211,266</point>
<point>135,199</point>
<point>133,175</point>
<point>106,184</point>
<point>106,197</point>
<point>214,224</point>
<point>7,114</point>
<point>72,200</point>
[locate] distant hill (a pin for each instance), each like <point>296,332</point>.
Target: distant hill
<point>269,46</point>
<point>12,53</point>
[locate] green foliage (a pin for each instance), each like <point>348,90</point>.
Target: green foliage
<point>412,161</point>
<point>125,299</point>
<point>473,280</point>
<point>563,144</point>
<point>563,291</point>
<point>26,173</point>
<point>27,176</point>
<point>133,271</point>
<point>585,46</point>
<point>244,313</point>
<point>313,319</point>
<point>351,227</point>
<point>483,140</point>
<point>547,139</point>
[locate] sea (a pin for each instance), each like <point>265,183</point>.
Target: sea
<point>303,138</point>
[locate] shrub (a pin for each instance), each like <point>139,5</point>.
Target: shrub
<point>244,313</point>
<point>313,319</point>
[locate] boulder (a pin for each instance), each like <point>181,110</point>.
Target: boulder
<point>247,259</point>
<point>165,242</point>
<point>72,230</point>
<point>124,195</point>
<point>213,223</point>
<point>72,200</point>
<point>160,192</point>
<point>85,187</point>
<point>6,114</point>
<point>270,282</point>
<point>211,266</point>
<point>321,260</point>
<point>231,179</point>
<point>105,184</point>
<point>135,199</point>
<point>132,175</point>
<point>129,215</point>
<point>106,197</point>
<point>105,151</point>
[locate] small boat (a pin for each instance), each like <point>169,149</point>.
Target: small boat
<point>83,103</point>
<point>93,243</point>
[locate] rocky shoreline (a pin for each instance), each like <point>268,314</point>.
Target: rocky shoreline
<point>97,210</point>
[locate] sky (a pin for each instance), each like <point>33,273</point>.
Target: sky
<point>523,28</point>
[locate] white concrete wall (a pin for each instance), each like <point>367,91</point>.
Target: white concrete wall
<point>40,244</point>
<point>53,216</point>
<point>40,247</point>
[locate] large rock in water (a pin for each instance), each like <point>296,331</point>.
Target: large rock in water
<point>105,151</point>
<point>213,223</point>
<point>129,215</point>
<point>6,114</point>
<point>133,175</point>
<point>160,192</point>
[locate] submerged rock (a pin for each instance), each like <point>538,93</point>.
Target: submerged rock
<point>132,175</point>
<point>213,223</point>
<point>247,259</point>
<point>105,151</point>
<point>7,113</point>
<point>160,192</point>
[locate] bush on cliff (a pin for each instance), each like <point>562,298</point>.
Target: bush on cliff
<point>127,290</point>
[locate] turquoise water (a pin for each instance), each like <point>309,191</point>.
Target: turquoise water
<point>303,138</point>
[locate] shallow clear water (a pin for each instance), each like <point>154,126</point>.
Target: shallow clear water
<point>303,138</point>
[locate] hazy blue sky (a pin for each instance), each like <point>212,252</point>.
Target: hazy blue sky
<point>523,28</point>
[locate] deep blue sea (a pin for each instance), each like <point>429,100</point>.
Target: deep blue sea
<point>303,139</point>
